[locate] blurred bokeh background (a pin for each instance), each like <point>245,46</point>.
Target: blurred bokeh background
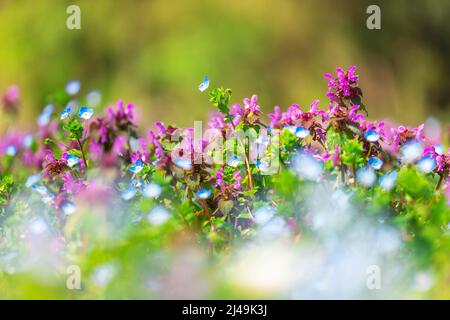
<point>155,53</point>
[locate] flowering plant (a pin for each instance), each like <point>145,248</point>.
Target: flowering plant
<point>94,190</point>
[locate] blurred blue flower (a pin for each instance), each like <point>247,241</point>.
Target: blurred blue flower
<point>426,164</point>
<point>388,180</point>
<point>204,85</point>
<point>152,190</point>
<point>183,163</point>
<point>73,87</point>
<point>366,176</point>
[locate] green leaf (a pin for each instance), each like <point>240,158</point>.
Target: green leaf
<point>220,98</point>
<point>352,152</point>
<point>415,184</point>
<point>74,128</point>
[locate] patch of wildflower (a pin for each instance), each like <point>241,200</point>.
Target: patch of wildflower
<point>78,156</point>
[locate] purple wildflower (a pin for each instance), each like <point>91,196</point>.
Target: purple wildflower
<point>344,86</point>
<point>11,98</point>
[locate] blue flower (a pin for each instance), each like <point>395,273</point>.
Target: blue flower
<point>372,136</point>
<point>411,152</point>
<point>183,163</point>
<point>85,113</point>
<point>439,148</point>
<point>42,190</point>
<point>158,216</point>
<point>203,193</point>
<point>366,176</point>
<point>262,165</point>
<point>72,160</point>
<point>137,166</point>
<point>152,190</point>
<point>11,151</point>
<point>94,98</point>
<point>426,164</point>
<point>129,193</point>
<point>263,214</point>
<point>68,208</point>
<point>28,141</point>
<point>66,113</point>
<point>387,181</point>
<point>32,180</point>
<point>204,85</point>
<point>307,166</point>
<point>375,163</point>
<point>301,132</point>
<point>44,118</point>
<point>72,87</point>
<point>234,161</point>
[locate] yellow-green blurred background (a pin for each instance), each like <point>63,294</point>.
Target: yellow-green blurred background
<point>155,53</point>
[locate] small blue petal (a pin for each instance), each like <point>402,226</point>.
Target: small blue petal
<point>203,193</point>
<point>73,87</point>
<point>426,164</point>
<point>32,180</point>
<point>42,190</point>
<point>387,181</point>
<point>375,163</point>
<point>137,167</point>
<point>137,183</point>
<point>44,118</point>
<point>129,193</point>
<point>94,98</point>
<point>301,132</point>
<point>439,148</point>
<point>72,160</point>
<point>183,163</point>
<point>411,152</point>
<point>158,216</point>
<point>48,110</point>
<point>372,136</point>
<point>307,167</point>
<point>11,151</point>
<point>366,176</point>
<point>68,208</point>
<point>204,85</point>
<point>48,198</point>
<point>234,161</point>
<point>28,141</point>
<point>152,190</point>
<point>85,113</point>
<point>262,165</point>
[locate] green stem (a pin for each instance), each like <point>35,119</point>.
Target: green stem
<point>82,152</point>
<point>441,178</point>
